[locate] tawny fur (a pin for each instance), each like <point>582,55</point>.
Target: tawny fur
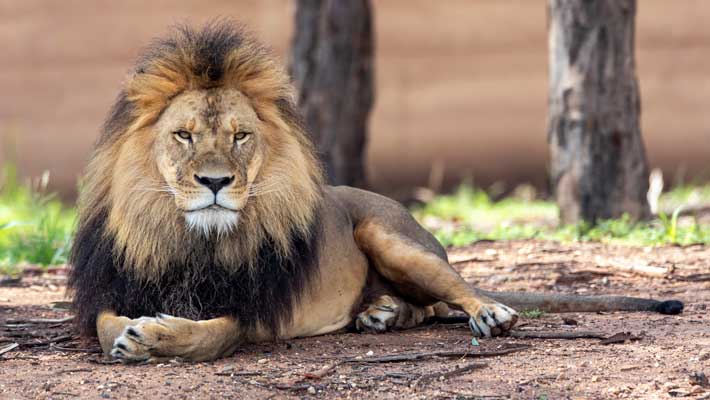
<point>303,258</point>
<point>148,229</point>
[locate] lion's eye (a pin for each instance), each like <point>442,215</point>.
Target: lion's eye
<point>241,136</point>
<point>183,136</point>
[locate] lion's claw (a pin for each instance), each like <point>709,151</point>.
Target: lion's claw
<point>492,320</point>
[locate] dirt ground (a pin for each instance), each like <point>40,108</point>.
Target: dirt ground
<point>665,356</point>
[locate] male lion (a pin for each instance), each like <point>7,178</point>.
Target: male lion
<point>203,200</point>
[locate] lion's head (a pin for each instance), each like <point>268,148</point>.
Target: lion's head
<point>203,141</point>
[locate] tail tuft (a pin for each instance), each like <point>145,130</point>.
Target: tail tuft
<point>670,307</point>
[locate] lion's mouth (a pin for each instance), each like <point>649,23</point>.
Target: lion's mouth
<point>211,207</point>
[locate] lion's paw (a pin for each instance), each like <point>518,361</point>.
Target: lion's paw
<point>153,339</point>
<point>492,320</point>
<point>379,316</point>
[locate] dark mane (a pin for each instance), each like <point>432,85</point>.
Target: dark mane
<point>143,272</point>
<point>197,288</point>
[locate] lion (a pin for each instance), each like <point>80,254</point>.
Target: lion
<point>205,222</point>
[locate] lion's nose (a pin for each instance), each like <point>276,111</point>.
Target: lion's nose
<point>214,184</point>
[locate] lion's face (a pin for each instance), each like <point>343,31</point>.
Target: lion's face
<point>203,142</point>
<point>209,149</point>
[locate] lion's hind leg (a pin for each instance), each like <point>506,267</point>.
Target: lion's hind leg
<point>423,277</point>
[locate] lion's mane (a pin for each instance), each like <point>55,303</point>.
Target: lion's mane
<point>132,253</point>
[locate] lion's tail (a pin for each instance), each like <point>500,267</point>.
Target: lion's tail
<point>560,303</point>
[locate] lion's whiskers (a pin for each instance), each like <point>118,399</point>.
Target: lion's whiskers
<point>267,186</point>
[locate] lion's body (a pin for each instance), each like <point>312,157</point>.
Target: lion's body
<point>204,200</point>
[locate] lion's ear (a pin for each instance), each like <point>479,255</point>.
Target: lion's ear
<point>151,90</point>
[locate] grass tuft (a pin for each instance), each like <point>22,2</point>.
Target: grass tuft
<point>469,215</point>
<point>35,227</point>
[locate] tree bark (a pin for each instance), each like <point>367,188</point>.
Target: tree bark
<point>598,161</point>
<point>332,67</point>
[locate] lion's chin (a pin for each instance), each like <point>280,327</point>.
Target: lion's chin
<point>212,220</point>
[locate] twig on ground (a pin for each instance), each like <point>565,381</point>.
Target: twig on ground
<point>630,266</point>
<point>40,320</point>
<point>464,258</point>
<point>439,354</point>
<point>103,361</point>
<point>620,337</point>
<point>543,263</point>
<point>448,374</point>
<point>557,335</point>
<point>15,326</point>
<point>67,371</point>
<point>9,347</point>
<point>243,373</point>
<point>49,342</point>
<point>23,334</point>
<point>74,349</point>
<point>327,369</point>
<point>702,277</point>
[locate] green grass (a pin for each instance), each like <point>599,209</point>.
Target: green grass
<point>469,215</point>
<point>35,227</point>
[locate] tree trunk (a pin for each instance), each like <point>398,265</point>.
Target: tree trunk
<point>332,66</point>
<point>598,161</point>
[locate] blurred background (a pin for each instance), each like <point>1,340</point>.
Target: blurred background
<point>458,129</point>
<point>460,87</point>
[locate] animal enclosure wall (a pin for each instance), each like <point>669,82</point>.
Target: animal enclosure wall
<point>461,84</point>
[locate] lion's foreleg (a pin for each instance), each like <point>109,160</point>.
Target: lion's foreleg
<point>164,336</point>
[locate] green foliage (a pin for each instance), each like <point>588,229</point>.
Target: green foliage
<point>472,205</point>
<point>35,227</point>
<point>685,195</point>
<point>470,215</point>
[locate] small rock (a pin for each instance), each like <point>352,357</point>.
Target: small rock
<point>311,390</point>
<point>105,395</point>
<point>262,361</point>
<point>370,353</point>
<point>227,369</point>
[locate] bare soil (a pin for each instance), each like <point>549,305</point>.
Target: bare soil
<point>664,356</point>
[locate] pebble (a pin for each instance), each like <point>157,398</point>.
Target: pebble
<point>370,353</point>
<point>311,390</point>
<point>262,361</point>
